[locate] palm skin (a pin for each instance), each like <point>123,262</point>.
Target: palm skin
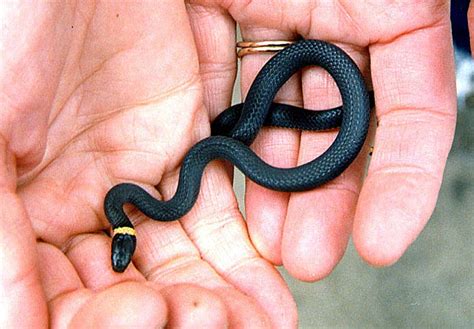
<point>100,93</point>
<point>95,94</point>
<point>404,50</point>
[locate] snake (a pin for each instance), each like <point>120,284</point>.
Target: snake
<point>234,130</point>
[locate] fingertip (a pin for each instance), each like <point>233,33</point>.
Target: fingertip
<point>310,263</point>
<point>375,245</point>
<point>375,256</point>
<point>125,305</point>
<point>388,220</point>
<point>308,272</point>
<point>191,306</point>
<point>57,274</point>
<point>63,308</point>
<point>316,233</point>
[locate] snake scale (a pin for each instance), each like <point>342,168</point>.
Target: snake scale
<point>236,128</point>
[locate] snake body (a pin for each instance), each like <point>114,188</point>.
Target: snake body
<point>236,128</point>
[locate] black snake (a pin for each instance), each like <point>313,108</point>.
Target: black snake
<point>236,128</point>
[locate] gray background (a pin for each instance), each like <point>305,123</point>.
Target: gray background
<point>432,286</point>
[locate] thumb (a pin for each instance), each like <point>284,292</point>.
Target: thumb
<point>21,297</point>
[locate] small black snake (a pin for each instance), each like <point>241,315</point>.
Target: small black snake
<point>236,128</point>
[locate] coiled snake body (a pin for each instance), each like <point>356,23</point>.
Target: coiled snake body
<point>236,128</point>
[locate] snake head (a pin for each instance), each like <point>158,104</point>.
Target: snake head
<point>123,247</point>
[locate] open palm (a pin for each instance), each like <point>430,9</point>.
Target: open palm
<point>404,50</point>
<point>94,94</point>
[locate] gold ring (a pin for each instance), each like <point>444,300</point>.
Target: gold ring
<point>253,47</point>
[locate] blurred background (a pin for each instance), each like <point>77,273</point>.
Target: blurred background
<point>432,286</point>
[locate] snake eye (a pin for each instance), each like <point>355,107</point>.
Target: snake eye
<point>123,247</point>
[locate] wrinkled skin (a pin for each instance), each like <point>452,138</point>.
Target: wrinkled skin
<point>404,50</point>
<point>93,94</point>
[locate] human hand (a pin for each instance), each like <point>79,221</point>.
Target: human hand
<point>97,94</point>
<point>470,22</point>
<point>404,51</point>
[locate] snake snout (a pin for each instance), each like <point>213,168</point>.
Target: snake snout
<point>123,247</point>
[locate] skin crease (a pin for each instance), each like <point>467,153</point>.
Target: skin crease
<point>85,105</point>
<point>404,50</point>
<point>97,93</point>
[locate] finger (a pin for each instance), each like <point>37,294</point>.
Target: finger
<point>214,224</point>
<point>166,256</point>
<point>58,275</point>
<point>20,287</point>
<point>416,104</point>
<point>126,305</point>
<point>266,209</point>
<point>470,22</point>
<point>319,222</point>
<point>64,291</point>
<point>69,302</point>
<point>63,308</point>
<point>214,36</point>
<point>216,227</point>
<point>90,256</point>
<point>191,305</point>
